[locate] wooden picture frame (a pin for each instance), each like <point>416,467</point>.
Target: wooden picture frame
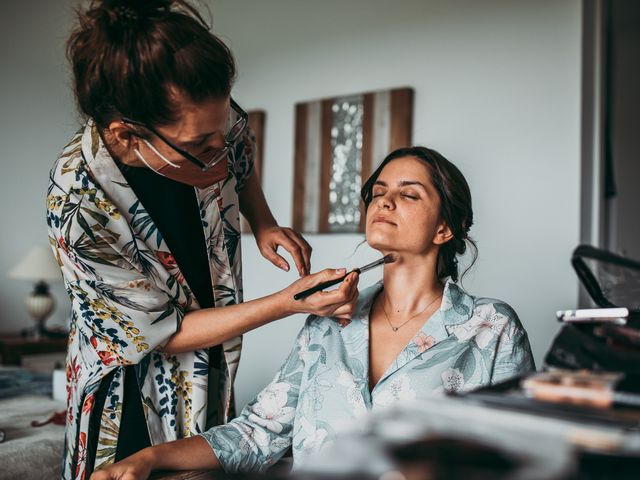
<point>382,120</point>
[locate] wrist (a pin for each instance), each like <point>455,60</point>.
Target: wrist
<point>149,457</point>
<point>284,303</point>
<point>262,223</point>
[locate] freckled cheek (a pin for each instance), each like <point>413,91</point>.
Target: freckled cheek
<point>418,228</point>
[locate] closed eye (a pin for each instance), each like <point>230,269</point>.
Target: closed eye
<point>197,144</point>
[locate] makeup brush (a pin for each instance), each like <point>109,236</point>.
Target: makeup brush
<point>389,258</point>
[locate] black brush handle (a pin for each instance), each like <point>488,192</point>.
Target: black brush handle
<point>322,286</point>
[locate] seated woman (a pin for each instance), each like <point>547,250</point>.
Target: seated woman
<point>412,334</point>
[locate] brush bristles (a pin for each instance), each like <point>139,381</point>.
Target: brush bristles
<point>390,258</point>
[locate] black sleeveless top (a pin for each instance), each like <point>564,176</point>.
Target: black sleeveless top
<point>173,207</point>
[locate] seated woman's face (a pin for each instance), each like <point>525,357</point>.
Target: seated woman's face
<point>403,215</point>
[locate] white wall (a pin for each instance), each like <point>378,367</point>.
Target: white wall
<point>36,120</point>
<point>497,91</point>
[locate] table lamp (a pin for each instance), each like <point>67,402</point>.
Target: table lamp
<point>39,266</point>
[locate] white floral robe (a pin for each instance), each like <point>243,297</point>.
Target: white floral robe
<point>128,297</point>
<point>323,385</point>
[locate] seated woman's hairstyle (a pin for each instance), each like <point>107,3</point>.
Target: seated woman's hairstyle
<point>455,205</point>
<point>129,57</point>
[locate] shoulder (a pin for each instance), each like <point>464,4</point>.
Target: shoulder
<point>69,171</point>
<point>498,313</point>
<point>493,306</point>
<point>245,147</point>
<point>467,315</point>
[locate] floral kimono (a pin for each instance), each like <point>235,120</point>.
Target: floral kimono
<point>324,383</point>
<point>128,298</point>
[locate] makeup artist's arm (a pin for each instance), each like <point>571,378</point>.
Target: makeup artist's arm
<point>193,453</point>
<point>212,326</point>
<point>269,236</point>
<point>258,424</point>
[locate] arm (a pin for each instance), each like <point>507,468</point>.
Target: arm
<point>212,326</point>
<point>513,356</point>
<point>192,453</point>
<point>263,431</point>
<point>252,442</point>
<point>269,236</point>
<point>124,315</point>
<point>253,205</point>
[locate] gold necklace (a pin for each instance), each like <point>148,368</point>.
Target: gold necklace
<point>395,329</point>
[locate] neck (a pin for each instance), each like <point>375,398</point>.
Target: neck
<point>411,283</point>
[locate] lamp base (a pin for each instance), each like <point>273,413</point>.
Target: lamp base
<point>39,305</point>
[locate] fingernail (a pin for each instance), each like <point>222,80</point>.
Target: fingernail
<point>341,271</point>
<point>284,266</point>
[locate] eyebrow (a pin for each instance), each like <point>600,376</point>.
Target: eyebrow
<point>402,183</point>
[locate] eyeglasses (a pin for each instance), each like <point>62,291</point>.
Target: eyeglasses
<point>234,133</point>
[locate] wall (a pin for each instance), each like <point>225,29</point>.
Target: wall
<point>497,91</point>
<point>38,117</point>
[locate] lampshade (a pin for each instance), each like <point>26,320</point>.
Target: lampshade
<point>38,264</point>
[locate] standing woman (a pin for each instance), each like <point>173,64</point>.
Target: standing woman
<point>143,215</point>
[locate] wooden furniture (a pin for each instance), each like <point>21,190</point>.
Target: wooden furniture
<point>16,350</point>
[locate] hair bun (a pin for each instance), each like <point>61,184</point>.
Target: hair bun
<point>129,11</point>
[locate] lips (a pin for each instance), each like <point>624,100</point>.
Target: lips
<point>381,219</point>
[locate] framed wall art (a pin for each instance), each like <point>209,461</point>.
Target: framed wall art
<point>339,142</point>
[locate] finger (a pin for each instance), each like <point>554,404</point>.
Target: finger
<point>270,254</point>
<point>294,248</point>
<point>310,287</point>
<point>305,248</point>
<point>353,293</point>
<point>350,284</point>
<point>349,289</point>
<point>332,298</point>
<point>347,309</point>
<point>323,276</point>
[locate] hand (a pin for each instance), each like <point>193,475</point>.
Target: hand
<point>339,303</point>
<point>136,467</point>
<point>270,238</point>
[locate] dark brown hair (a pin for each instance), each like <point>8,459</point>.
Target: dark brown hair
<point>455,204</point>
<point>130,56</point>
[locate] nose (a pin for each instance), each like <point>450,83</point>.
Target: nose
<point>386,202</point>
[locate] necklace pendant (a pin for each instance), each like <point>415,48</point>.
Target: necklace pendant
<point>395,329</point>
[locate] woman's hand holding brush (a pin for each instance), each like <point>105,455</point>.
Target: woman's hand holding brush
<point>339,302</point>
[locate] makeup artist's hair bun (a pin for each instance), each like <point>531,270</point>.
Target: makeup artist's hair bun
<point>128,55</point>
<point>127,13</point>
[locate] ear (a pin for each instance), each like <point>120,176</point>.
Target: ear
<point>122,134</point>
<point>443,234</point>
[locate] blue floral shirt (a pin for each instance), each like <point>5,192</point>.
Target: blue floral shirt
<point>324,383</point>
